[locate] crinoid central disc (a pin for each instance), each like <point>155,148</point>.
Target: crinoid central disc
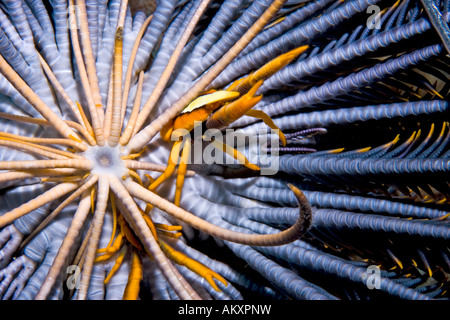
<point>106,160</point>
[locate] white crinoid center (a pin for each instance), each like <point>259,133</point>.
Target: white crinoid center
<point>106,160</point>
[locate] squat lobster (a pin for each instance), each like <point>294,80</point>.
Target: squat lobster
<point>218,109</point>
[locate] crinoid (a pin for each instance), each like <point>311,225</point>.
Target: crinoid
<point>105,112</point>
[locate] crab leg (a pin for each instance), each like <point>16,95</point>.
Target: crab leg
<point>235,154</point>
<point>269,69</point>
<point>182,172</point>
<point>193,265</point>
<point>134,278</point>
<point>171,163</point>
<point>268,121</point>
<point>232,111</point>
